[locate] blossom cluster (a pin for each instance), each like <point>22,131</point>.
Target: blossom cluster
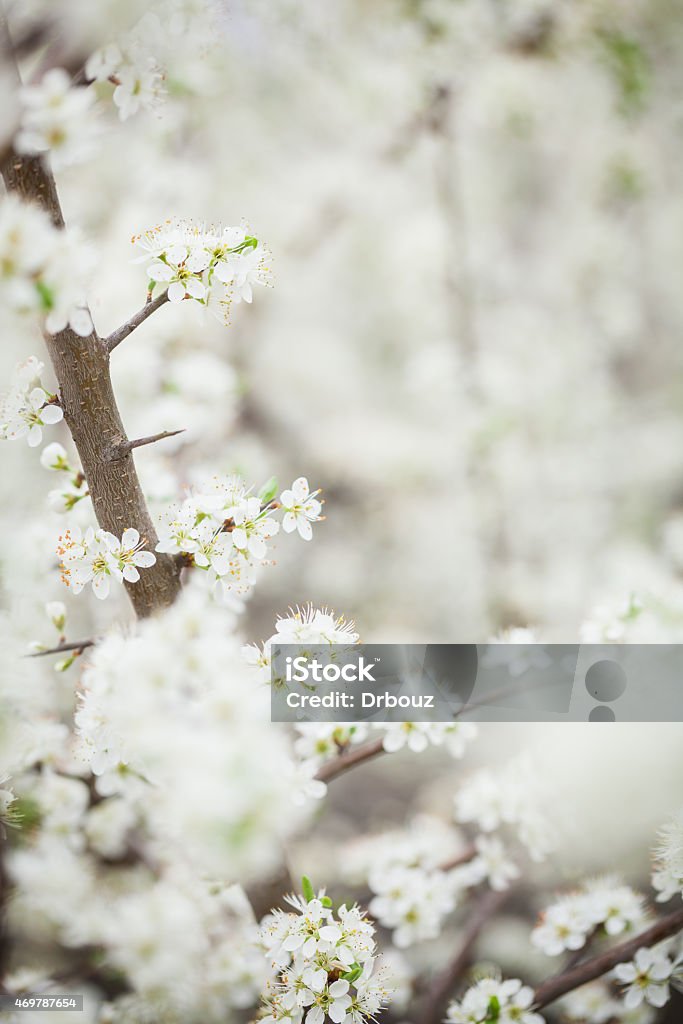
<point>224,528</point>
<point>56,119</point>
<point>212,264</point>
<point>129,65</point>
<point>491,999</point>
<point>315,626</point>
<point>28,406</point>
<point>417,736</point>
<point>512,799</point>
<point>327,965</point>
<point>412,901</point>
<point>667,877</point>
<point>42,268</point>
<point>190,675</point>
<point>419,874</point>
<point>604,903</point>
<point>98,557</point>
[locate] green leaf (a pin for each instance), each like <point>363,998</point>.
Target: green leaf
<point>326,901</point>
<point>307,889</point>
<point>268,491</point>
<point>47,298</point>
<point>493,1012</point>
<point>353,974</point>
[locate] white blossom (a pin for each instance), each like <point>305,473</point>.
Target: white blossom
<point>42,269</point>
<point>412,902</point>
<point>667,877</point>
<point>213,265</point>
<point>512,798</point>
<point>604,903</point>
<point>647,978</point>
<point>301,508</point>
<point>97,557</point>
<point>328,964</point>
<point>491,999</point>
<point>56,119</point>
<point>28,407</point>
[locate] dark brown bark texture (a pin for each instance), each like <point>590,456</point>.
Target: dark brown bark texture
<point>81,366</point>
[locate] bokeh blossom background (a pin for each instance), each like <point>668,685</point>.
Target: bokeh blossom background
<point>472,344</point>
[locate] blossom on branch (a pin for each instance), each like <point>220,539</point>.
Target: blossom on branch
<point>42,268</point>
<point>667,877</point>
<point>647,978</point>
<point>215,266</point>
<point>328,968</point>
<point>223,529</point>
<point>494,1000</point>
<point>604,903</point>
<point>98,557</point>
<point>28,407</point>
<point>55,119</point>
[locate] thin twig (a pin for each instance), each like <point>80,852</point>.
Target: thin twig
<point>121,333</point>
<point>356,755</point>
<point>445,982</point>
<point>121,450</point>
<point>459,859</point>
<point>550,990</point>
<point>76,645</point>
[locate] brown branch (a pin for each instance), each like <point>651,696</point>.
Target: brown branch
<point>356,755</point>
<point>76,645</point>
<point>445,982</point>
<point>81,366</point>
<point>464,857</point>
<point>121,333</point>
<point>121,450</point>
<point>550,990</point>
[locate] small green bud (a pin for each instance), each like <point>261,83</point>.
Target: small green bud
<point>307,889</point>
<point>268,491</point>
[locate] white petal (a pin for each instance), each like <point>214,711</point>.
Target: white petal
<point>159,272</point>
<point>131,574</point>
<point>100,586</point>
<point>239,537</point>
<point>633,998</point>
<point>195,288</point>
<point>300,489</point>
<point>144,559</point>
<point>51,414</point>
<point>304,528</point>
<point>176,254</point>
<point>130,538</point>
<point>289,522</point>
<point>257,546</point>
<point>176,292</point>
<point>35,436</point>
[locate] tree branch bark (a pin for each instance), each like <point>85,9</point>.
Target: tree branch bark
<point>127,446</point>
<point>74,645</point>
<point>355,755</point>
<point>567,981</point>
<point>81,366</point>
<point>121,333</point>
